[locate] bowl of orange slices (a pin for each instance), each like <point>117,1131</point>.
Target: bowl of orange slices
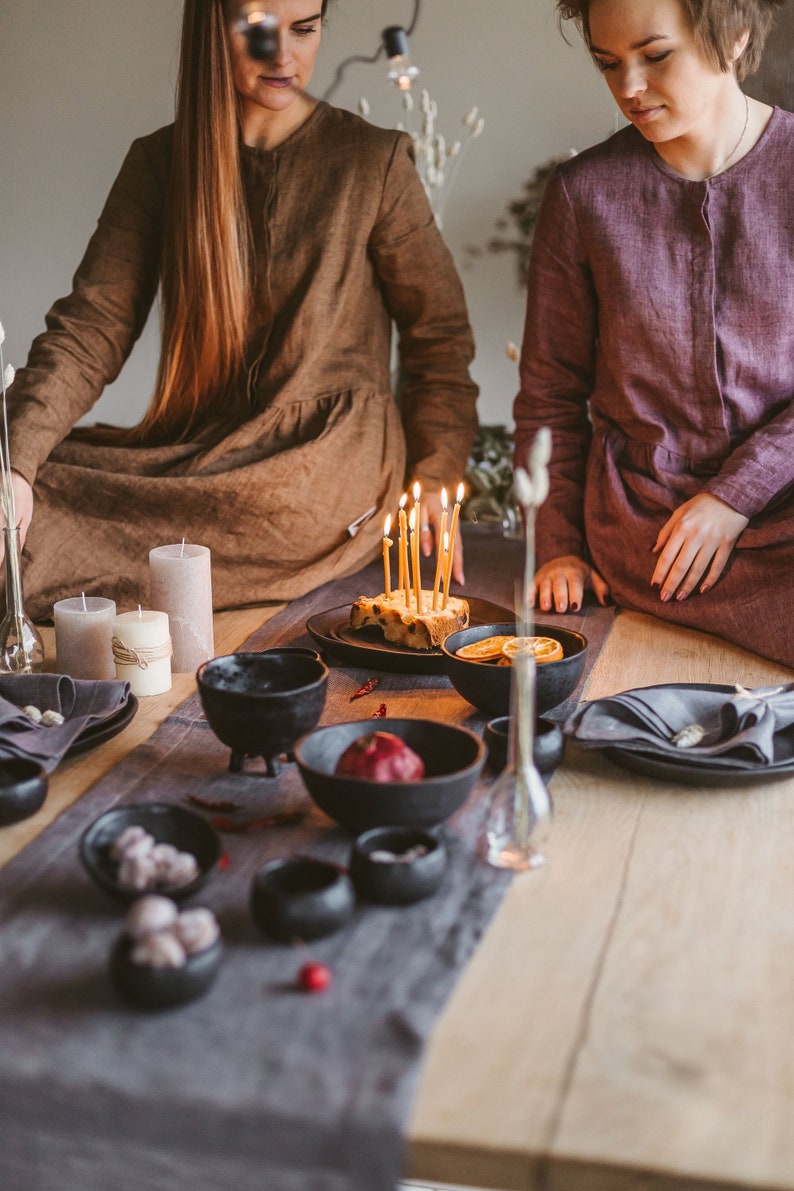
<point>478,662</point>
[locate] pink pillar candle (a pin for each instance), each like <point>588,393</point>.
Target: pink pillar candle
<point>181,585</point>
<point>83,634</point>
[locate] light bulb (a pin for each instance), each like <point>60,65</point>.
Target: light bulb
<point>402,71</point>
<point>260,29</point>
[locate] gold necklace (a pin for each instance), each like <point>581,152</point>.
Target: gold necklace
<point>735,148</point>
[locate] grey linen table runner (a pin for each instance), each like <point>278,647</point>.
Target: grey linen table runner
<point>256,1087</point>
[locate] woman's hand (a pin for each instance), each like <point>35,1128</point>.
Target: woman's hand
<point>696,541</point>
<point>430,534</point>
<point>23,499</point>
<point>559,585</point>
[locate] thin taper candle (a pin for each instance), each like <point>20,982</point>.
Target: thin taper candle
<point>405,578</point>
<point>416,514</point>
<point>439,553</point>
<point>387,542</point>
<point>452,532</point>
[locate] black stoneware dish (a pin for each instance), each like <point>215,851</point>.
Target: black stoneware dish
<point>301,898</point>
<point>260,703</point>
<point>148,987</point>
<point>487,685</point>
<point>453,758</point>
<point>168,823</point>
<point>23,789</point>
<point>548,745</point>
<point>398,882</point>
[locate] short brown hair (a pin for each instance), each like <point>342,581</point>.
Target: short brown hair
<point>718,25</point>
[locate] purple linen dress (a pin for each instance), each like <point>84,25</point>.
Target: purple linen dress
<point>659,349</point>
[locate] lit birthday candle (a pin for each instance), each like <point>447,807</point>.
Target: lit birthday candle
<point>440,555</point>
<point>416,517</point>
<point>451,554</point>
<point>403,574</point>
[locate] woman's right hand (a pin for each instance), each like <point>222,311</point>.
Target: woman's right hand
<point>23,499</point>
<point>559,585</point>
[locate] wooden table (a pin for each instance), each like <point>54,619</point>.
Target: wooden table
<point>625,1022</point>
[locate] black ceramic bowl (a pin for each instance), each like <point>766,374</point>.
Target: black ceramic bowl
<point>398,882</point>
<point>453,758</point>
<point>23,789</point>
<point>260,703</point>
<point>169,823</point>
<point>301,898</point>
<point>549,745</point>
<point>487,685</point>
<point>162,988</point>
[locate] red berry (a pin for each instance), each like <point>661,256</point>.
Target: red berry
<point>315,977</point>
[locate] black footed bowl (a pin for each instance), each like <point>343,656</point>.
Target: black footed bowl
<point>168,823</point>
<point>453,758</point>
<point>487,685</point>
<point>301,898</point>
<point>260,703</point>
<point>23,789</point>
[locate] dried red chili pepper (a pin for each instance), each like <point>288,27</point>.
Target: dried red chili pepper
<point>213,804</point>
<point>380,714</point>
<point>223,862</point>
<point>366,689</point>
<point>222,824</point>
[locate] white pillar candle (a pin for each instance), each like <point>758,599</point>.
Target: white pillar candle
<point>83,633</point>
<point>181,585</point>
<point>142,651</point>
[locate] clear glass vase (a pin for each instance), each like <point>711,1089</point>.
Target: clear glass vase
<point>21,647</point>
<point>519,816</point>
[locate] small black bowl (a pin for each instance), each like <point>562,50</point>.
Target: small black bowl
<point>453,758</point>
<point>301,898</point>
<point>168,823</point>
<point>162,988</point>
<point>23,789</point>
<point>487,685</point>
<point>549,745</point>
<point>260,703</point>
<point>400,882</point>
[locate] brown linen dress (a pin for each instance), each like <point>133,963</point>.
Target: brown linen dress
<point>659,349</point>
<point>344,242</point>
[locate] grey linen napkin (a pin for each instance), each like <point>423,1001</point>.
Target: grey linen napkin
<point>718,727</point>
<point>81,702</point>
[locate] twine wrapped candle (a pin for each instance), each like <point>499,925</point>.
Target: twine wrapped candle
<point>142,651</point>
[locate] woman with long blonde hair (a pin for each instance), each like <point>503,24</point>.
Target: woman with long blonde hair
<point>284,238</point>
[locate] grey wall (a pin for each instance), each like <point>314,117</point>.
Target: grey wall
<point>81,78</point>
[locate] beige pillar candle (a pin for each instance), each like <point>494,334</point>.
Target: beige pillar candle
<point>181,585</point>
<point>142,651</point>
<point>83,634</point>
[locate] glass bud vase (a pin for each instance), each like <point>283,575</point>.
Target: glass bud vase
<point>21,647</point>
<point>520,811</point>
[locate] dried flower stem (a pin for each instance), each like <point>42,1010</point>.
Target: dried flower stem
<point>7,501</point>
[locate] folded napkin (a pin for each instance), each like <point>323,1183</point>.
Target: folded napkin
<point>690,723</point>
<point>82,703</point>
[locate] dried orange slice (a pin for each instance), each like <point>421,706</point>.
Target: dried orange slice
<point>483,651</point>
<point>545,649</point>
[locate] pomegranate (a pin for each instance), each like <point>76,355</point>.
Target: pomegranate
<point>381,757</point>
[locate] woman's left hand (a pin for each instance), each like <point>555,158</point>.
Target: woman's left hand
<point>694,546</point>
<point>430,534</point>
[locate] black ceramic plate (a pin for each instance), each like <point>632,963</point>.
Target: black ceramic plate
<point>368,647</point>
<point>690,772</point>
<point>106,730</point>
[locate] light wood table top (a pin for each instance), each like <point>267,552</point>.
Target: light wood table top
<point>625,1021</point>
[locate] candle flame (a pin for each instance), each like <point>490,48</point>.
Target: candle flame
<point>387,525</point>
<point>417,491</point>
<point>444,499</point>
<point>459,494</point>
<point>403,500</point>
<point>446,543</point>
<point>412,520</point>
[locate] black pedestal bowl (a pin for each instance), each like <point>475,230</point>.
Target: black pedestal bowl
<point>260,703</point>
